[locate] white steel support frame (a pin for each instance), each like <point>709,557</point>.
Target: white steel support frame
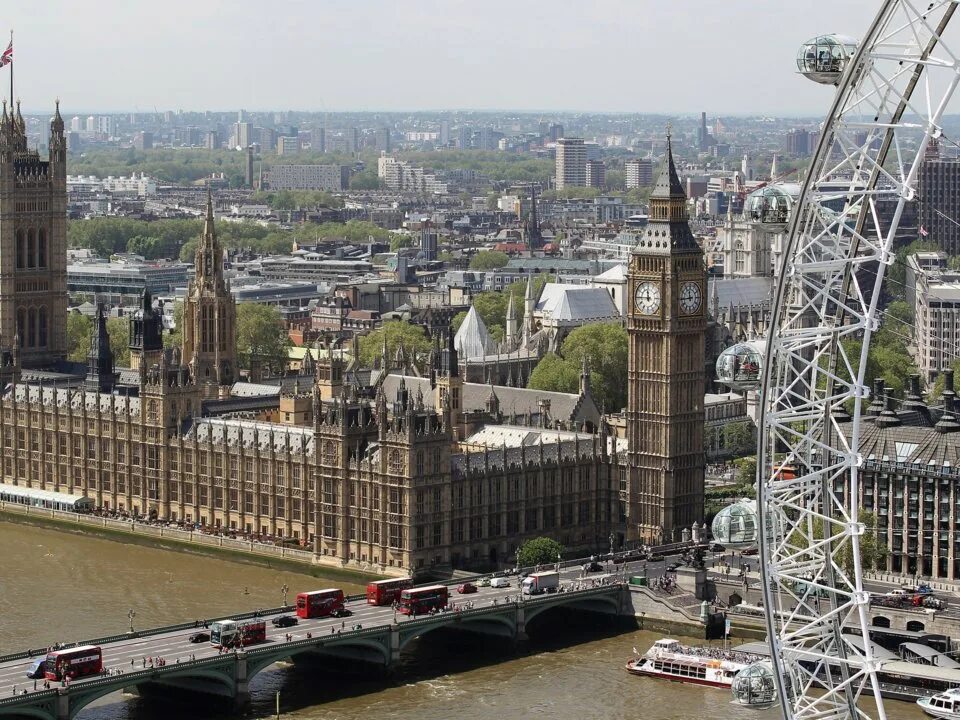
<point>889,103</point>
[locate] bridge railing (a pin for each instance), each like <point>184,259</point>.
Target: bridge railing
<point>40,652</point>
<point>18,699</point>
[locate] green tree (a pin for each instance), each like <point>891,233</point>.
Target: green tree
<point>873,549</point>
<point>366,180</point>
<point>746,470</point>
<point>78,336</point>
<point>118,328</point>
<point>554,374</point>
<point>738,438</point>
<point>261,334</point>
<point>489,260</point>
<point>604,346</point>
<point>539,551</point>
<point>458,320</point>
<point>397,332</point>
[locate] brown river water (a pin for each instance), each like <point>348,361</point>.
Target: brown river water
<point>57,586</point>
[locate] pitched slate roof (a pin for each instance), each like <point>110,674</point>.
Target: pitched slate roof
<point>576,303</point>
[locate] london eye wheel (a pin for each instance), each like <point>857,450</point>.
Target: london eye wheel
<point>893,87</point>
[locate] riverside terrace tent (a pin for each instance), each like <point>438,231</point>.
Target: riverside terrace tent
<point>35,497</point>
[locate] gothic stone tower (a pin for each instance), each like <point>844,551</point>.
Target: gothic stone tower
<point>33,242</point>
<point>666,322</point>
<point>210,318</point>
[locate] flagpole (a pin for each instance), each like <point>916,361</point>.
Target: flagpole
<point>11,73</point>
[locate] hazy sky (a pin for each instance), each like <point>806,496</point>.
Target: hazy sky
<point>672,56</point>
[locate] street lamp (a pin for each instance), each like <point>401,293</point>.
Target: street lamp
<point>284,590</point>
<point>131,614</point>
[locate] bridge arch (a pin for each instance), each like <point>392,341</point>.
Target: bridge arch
<point>880,621</point>
<point>915,626</point>
<point>503,624</point>
<point>369,648</point>
<point>25,713</point>
<point>83,695</point>
<point>608,604</point>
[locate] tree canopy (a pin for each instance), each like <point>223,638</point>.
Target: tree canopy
<point>118,328</point>
<point>539,551</point>
<point>397,332</point>
<point>604,345</point>
<point>261,335</point>
<point>873,549</point>
<point>489,260</point>
<point>78,336</point>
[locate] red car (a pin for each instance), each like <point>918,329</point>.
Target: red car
<point>466,588</point>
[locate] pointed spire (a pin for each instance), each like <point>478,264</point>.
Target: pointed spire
<point>668,185</point>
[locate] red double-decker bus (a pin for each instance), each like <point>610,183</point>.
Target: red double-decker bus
<point>319,603</point>
<point>74,663</point>
<point>417,601</point>
<point>384,592</point>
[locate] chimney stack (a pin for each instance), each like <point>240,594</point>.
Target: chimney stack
<point>948,421</point>
<point>888,417</point>
<point>876,404</point>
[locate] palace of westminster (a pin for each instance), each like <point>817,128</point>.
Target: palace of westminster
<point>384,474</point>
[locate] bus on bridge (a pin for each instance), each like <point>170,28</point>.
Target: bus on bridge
<point>416,601</point>
<point>74,663</point>
<point>230,633</point>
<point>385,592</point>
<point>319,603</point>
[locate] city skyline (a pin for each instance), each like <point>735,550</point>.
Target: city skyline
<point>379,58</point>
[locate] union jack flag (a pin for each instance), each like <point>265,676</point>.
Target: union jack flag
<point>7,56</point>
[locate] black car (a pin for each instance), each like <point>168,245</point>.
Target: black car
<point>593,567</point>
<point>672,567</point>
<point>284,621</point>
<point>199,637</point>
<point>37,669</point>
<point>341,613</point>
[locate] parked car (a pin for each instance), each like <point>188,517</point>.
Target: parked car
<point>466,588</point>
<point>591,567</point>
<point>284,621</point>
<point>500,582</point>
<point>341,613</point>
<point>199,637</point>
<point>484,582</point>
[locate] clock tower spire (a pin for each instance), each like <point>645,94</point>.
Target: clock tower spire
<point>666,323</point>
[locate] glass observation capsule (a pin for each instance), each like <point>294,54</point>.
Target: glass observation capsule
<point>739,366</point>
<point>737,525</point>
<point>755,686</point>
<point>824,58</point>
<point>772,203</point>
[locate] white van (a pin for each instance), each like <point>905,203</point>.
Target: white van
<point>499,582</point>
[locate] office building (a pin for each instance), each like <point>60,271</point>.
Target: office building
<point>428,241</point>
<point>638,173</point>
<point>288,145</point>
<point>330,178</point>
<point>940,203</point>
<point>571,163</point>
<point>383,139</point>
<point>935,291</point>
<point>596,174</point>
<point>211,140</point>
<point>318,139</point>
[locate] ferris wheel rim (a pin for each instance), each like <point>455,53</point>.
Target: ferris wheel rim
<point>803,212</point>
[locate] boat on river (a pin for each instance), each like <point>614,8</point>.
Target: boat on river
<point>945,705</point>
<point>713,667</point>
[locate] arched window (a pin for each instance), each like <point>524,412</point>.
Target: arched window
<point>32,327</point>
<point>42,324</point>
<point>31,248</point>
<point>22,325</point>
<point>21,250</point>
<point>41,248</point>
<point>740,257</point>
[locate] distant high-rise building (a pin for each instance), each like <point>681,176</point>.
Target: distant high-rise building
<point>638,172</point>
<point>76,124</point>
<point>267,138</point>
<point>746,167</point>
<point>241,116</point>
<point>91,124</point>
<point>940,203</point>
<point>248,169</point>
<point>571,163</point>
<point>353,140</point>
<point>211,140</point>
<point>444,133</point>
<point>242,134</point>
<point>143,140</point>
<point>464,137</point>
<point>332,178</point>
<point>798,142</point>
<point>596,174</point>
<point>703,136</point>
<point>428,241</point>
<point>288,145</point>
<point>73,141</point>
<point>556,132</point>
<point>383,139</point>
<point>318,139</point>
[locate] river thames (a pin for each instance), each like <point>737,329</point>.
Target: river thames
<point>64,587</point>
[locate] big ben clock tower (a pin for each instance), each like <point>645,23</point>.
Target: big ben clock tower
<point>666,322</point>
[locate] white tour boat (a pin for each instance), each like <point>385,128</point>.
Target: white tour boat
<point>669,659</point>
<point>944,705</point>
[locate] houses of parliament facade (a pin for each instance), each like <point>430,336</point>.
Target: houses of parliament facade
<point>362,478</point>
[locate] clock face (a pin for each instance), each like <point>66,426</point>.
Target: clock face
<point>690,297</point>
<point>647,298</point>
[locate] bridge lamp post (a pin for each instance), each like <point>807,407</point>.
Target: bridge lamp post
<point>131,614</point>
<point>284,590</point>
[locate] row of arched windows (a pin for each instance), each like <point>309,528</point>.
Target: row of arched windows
<point>32,327</point>
<point>31,248</point>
